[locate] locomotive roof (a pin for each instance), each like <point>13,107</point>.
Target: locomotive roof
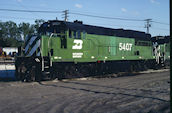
<point>161,39</point>
<point>90,29</point>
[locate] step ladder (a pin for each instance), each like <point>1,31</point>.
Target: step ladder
<point>46,68</point>
<point>162,62</point>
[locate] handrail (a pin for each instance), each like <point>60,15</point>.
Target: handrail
<point>49,47</point>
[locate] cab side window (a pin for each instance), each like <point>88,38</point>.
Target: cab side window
<point>70,33</point>
<point>84,34</point>
<point>74,34</point>
<point>79,34</point>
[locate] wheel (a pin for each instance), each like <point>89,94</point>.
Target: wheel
<point>33,73</point>
<point>20,74</point>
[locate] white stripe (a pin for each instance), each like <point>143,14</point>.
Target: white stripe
<point>35,47</point>
<point>38,54</point>
<point>27,37</point>
<point>30,43</point>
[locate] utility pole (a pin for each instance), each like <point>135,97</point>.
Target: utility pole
<point>148,24</point>
<point>66,12</point>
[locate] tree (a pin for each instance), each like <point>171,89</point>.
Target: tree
<point>38,23</point>
<point>10,30</point>
<point>25,29</point>
<point>9,34</point>
<point>12,35</point>
<point>2,42</point>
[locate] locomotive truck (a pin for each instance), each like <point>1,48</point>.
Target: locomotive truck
<point>63,49</point>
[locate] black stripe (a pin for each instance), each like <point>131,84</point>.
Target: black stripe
<point>38,50</point>
<point>32,45</point>
<point>26,43</point>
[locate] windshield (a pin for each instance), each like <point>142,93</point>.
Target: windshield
<point>48,28</point>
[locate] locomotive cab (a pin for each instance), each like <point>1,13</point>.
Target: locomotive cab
<point>55,28</point>
<point>61,39</point>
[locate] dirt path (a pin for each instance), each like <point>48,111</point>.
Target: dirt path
<point>130,94</point>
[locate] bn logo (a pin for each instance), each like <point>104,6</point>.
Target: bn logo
<point>78,44</point>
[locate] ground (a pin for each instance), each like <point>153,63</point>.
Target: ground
<point>146,92</point>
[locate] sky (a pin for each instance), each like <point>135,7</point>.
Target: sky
<point>157,10</point>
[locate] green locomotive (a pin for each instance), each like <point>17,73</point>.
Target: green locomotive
<point>162,50</point>
<point>72,49</point>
